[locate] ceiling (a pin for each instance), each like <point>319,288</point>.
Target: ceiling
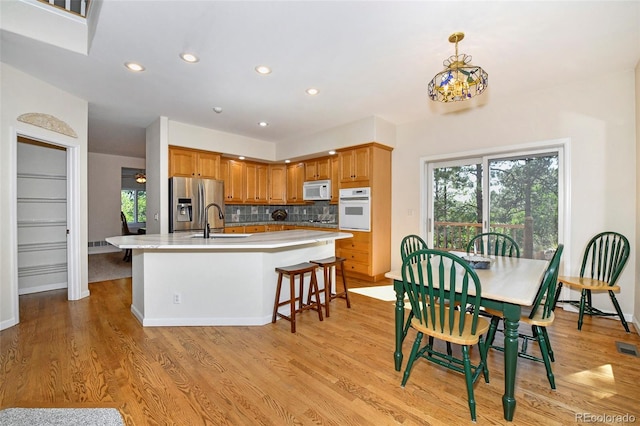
<point>367,58</point>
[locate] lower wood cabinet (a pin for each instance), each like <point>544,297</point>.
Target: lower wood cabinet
<point>234,230</point>
<point>357,252</point>
<point>252,229</point>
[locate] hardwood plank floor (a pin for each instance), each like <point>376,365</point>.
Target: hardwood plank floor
<point>94,353</point>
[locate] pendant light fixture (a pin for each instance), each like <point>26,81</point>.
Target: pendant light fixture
<point>141,178</point>
<point>460,80</point>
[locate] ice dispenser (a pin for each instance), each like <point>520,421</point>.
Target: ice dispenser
<point>184,210</point>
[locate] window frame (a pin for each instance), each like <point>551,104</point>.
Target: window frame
<point>561,146</point>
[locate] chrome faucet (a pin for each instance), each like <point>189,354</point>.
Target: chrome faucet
<point>207,229</point>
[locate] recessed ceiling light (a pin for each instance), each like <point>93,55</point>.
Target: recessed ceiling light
<point>217,109</point>
<point>312,91</point>
<point>189,57</point>
<point>133,66</point>
<point>263,69</point>
<point>241,157</point>
<point>331,152</point>
<point>263,124</point>
<point>287,161</point>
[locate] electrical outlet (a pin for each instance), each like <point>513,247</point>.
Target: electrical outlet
<point>177,298</point>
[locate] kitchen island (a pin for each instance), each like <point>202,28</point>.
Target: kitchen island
<point>229,279</point>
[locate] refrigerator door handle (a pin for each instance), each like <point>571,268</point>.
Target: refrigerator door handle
<point>201,203</point>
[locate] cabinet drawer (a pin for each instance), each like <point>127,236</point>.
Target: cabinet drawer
<point>254,228</point>
<point>360,237</point>
<point>234,230</point>
<point>360,268</point>
<point>355,256</point>
<point>349,244</point>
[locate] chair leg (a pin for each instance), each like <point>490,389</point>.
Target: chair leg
<point>277,302</point>
<point>549,349</point>
<point>314,287</point>
<point>344,284</point>
<point>292,286</point>
<point>583,296</point>
<point>491,334</point>
<point>619,311</point>
<point>412,358</point>
<point>557,295</point>
<point>468,375</point>
<point>545,356</point>
<point>483,359</point>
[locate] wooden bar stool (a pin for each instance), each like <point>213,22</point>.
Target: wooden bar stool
<point>300,269</point>
<point>327,264</point>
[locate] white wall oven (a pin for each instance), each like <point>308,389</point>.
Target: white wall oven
<point>354,209</point>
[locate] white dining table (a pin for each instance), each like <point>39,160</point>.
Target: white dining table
<point>507,285</point>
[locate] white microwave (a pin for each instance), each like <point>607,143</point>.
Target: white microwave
<point>317,190</point>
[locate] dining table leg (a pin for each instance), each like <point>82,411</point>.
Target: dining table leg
<point>397,355</point>
<point>511,319</point>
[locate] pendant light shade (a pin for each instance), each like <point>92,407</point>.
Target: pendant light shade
<point>460,80</point>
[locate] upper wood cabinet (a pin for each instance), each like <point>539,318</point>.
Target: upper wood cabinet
<point>295,181</point>
<point>335,180</point>
<point>232,173</point>
<point>354,165</point>
<point>318,169</point>
<point>277,184</point>
<point>256,183</point>
<point>193,163</point>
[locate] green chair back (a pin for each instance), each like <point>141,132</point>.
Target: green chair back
<point>411,243</point>
<point>545,298</point>
<point>433,281</point>
<point>494,243</point>
<point>605,257</point>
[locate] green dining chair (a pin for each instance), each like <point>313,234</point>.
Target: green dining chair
<point>539,316</point>
<point>433,281</point>
<point>493,243</point>
<point>602,262</point>
<point>410,244</point>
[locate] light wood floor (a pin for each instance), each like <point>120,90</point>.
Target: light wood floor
<point>94,353</point>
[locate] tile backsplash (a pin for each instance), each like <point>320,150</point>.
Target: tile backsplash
<point>320,210</point>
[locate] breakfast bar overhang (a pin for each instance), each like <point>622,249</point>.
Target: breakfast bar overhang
<point>182,279</point>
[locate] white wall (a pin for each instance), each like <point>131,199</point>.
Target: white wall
<point>190,136</point>
<point>104,182</point>
<point>20,94</point>
<point>599,119</point>
<point>369,129</point>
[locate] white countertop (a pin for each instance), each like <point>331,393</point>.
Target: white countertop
<point>262,240</point>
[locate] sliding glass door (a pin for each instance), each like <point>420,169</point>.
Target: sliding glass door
<point>516,194</point>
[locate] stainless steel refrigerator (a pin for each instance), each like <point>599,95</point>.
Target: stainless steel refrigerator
<point>188,199</point>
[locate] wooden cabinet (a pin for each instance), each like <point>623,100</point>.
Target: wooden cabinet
<point>368,254</point>
<point>274,228</point>
<point>295,181</point>
<point>256,184</point>
<point>277,184</point>
<point>232,173</point>
<point>193,163</point>
<point>354,165</point>
<point>335,180</point>
<point>317,169</point>
<point>253,229</point>
<point>234,230</point>
<point>357,252</point>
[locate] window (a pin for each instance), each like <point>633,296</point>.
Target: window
<point>133,204</point>
<point>133,197</point>
<point>518,194</point>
